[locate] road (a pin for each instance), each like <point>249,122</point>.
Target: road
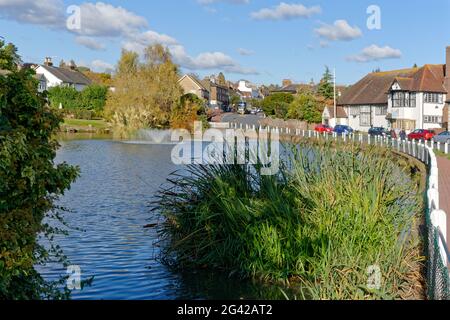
<point>249,119</point>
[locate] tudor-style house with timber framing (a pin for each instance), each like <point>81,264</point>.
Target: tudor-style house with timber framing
<point>408,99</point>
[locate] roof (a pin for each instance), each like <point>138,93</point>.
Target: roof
<point>339,110</point>
<point>68,75</point>
<point>193,79</point>
<point>374,87</point>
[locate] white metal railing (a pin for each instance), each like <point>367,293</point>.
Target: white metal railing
<point>422,151</point>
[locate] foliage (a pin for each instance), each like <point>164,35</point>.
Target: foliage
<point>91,100</point>
<point>68,97</point>
<point>234,99</point>
<point>221,79</point>
<point>275,104</point>
<point>104,79</point>
<point>30,181</point>
<point>190,109</point>
<point>322,221</point>
<point>326,88</point>
<point>305,107</point>
<point>146,93</point>
<point>93,97</point>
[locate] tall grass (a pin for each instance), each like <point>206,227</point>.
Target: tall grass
<point>321,222</point>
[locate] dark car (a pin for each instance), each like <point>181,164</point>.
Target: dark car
<point>379,131</point>
<point>342,129</point>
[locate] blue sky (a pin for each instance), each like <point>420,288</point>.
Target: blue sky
<point>262,41</point>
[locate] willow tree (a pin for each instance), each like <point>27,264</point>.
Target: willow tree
<point>146,91</point>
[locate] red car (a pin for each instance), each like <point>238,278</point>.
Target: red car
<point>323,128</point>
<point>421,134</point>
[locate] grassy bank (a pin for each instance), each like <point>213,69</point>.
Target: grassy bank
<point>80,125</point>
<point>321,224</point>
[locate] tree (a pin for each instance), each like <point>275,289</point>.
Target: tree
<point>68,97</point>
<point>305,107</point>
<point>274,104</point>
<point>145,93</point>
<point>93,98</point>
<point>221,79</point>
<point>30,180</point>
<point>325,88</point>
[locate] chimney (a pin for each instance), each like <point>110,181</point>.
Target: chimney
<point>72,65</point>
<point>48,62</point>
<point>447,73</point>
<point>286,82</point>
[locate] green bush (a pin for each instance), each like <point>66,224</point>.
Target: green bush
<point>321,222</point>
<point>275,104</point>
<point>92,98</point>
<point>30,183</point>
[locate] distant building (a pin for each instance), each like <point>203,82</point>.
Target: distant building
<point>248,90</point>
<point>408,99</point>
<point>329,118</point>
<point>219,96</point>
<point>66,77</point>
<point>191,84</point>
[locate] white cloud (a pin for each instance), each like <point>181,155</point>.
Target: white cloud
<point>245,52</point>
<point>104,20</point>
<point>375,53</point>
<point>49,13</point>
<point>339,31</point>
<point>101,66</point>
<point>91,43</point>
<point>286,11</point>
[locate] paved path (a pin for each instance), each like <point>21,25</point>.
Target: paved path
<point>444,189</point>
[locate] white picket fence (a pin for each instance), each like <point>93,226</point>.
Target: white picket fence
<point>422,151</point>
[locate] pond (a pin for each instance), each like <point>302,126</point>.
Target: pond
<point>108,209</point>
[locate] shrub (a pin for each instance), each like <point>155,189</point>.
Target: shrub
<point>30,182</point>
<point>322,222</point>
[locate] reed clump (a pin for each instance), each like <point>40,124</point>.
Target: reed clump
<point>325,222</point>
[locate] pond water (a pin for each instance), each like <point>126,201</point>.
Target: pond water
<point>109,205</point>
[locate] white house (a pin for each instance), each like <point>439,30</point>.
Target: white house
<point>55,76</point>
<point>248,90</point>
<point>405,99</point>
<point>328,117</point>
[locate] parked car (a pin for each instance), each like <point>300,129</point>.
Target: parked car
<point>379,131</point>
<point>323,128</point>
<point>342,129</point>
<point>443,137</point>
<point>421,134</point>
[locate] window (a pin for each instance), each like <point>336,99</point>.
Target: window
<point>403,99</point>
<point>381,111</point>
<point>432,119</point>
<point>365,116</point>
<point>354,111</point>
<point>433,97</point>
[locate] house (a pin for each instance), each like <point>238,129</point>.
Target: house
<point>191,84</point>
<point>219,96</point>
<point>401,99</point>
<point>42,82</point>
<point>248,90</point>
<point>329,118</point>
<point>66,77</point>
